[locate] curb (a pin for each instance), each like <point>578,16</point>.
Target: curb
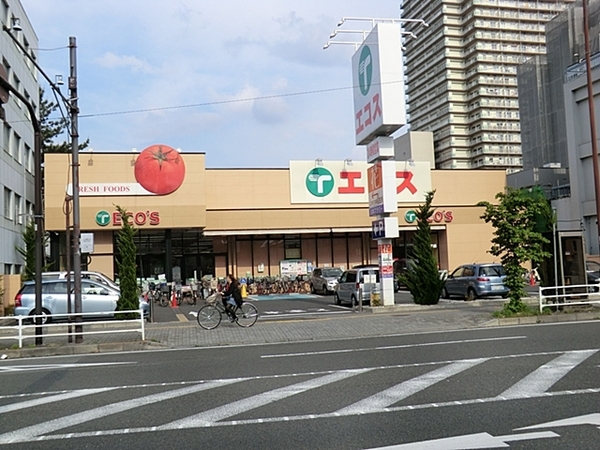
<point>83,349</point>
<point>574,317</point>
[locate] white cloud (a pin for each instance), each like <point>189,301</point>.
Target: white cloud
<point>112,61</point>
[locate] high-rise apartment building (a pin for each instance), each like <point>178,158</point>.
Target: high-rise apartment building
<point>16,137</point>
<point>462,75</point>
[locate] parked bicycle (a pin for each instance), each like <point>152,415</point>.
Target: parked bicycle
<point>156,294</point>
<point>210,315</point>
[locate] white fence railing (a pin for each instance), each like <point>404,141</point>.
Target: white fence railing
<point>570,295</point>
<point>26,325</point>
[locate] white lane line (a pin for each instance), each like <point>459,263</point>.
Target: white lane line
<point>30,433</point>
<point>407,388</point>
<point>275,316</point>
<point>544,377</point>
<point>308,416</point>
<point>29,367</point>
<point>262,399</point>
<point>391,347</point>
<point>51,399</point>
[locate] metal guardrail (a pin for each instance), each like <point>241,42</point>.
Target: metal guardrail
<point>569,295</point>
<point>25,327</point>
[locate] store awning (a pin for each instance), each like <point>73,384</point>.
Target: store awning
<point>307,231</point>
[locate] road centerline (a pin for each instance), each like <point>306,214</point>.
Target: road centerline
<point>392,347</point>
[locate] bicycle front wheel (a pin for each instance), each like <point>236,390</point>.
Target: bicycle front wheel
<point>164,299</point>
<point>209,317</point>
<point>191,299</point>
<point>247,315</point>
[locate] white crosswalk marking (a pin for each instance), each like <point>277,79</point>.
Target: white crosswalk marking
<point>51,399</point>
<point>543,378</point>
<point>28,433</point>
<point>407,388</point>
<point>534,385</point>
<point>232,409</point>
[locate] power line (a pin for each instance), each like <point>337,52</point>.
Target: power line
<point>221,102</point>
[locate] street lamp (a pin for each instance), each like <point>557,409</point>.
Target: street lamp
<point>365,32</point>
<point>73,108</point>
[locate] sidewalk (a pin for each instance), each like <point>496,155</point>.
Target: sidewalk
<point>399,319</point>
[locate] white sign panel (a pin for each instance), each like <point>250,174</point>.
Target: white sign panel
<point>108,189</point>
<point>378,80</point>
<point>385,228</point>
<point>337,182</point>
<point>382,147</point>
<point>381,180</point>
<point>86,242</point>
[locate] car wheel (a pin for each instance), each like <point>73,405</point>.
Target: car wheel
<point>445,293</point>
<point>45,316</point>
<point>471,295</point>
<point>324,289</point>
<point>336,299</point>
<point>353,301</point>
<point>312,289</point>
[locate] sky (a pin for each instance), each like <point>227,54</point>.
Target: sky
<point>249,68</point>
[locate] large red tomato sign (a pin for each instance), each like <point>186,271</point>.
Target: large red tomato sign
<point>160,169</point>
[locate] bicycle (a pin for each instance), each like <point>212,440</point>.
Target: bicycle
<point>210,315</point>
<point>155,294</point>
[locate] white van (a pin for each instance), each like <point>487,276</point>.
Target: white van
<point>347,289</point>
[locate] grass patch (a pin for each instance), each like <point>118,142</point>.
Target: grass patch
<point>527,311</point>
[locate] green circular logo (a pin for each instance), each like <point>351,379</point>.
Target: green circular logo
<point>319,182</point>
<point>102,218</point>
<point>410,216</point>
<point>365,70</point>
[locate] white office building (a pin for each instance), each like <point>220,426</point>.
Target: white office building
<point>16,137</point>
<point>462,75</point>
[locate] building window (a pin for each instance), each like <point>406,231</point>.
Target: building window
<point>8,204</point>
<point>4,12</point>
<point>293,248</point>
<point>7,269</point>
<point>6,138</point>
<point>16,151</point>
<point>28,159</point>
<point>19,208</point>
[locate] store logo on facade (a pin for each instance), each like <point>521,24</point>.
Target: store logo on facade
<point>102,218</point>
<point>319,182</point>
<point>410,216</point>
<point>365,70</point>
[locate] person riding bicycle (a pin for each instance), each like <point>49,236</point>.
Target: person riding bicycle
<point>232,291</point>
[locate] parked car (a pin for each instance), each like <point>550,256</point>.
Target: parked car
<point>95,297</point>
<point>324,280</point>
<point>471,281</point>
<point>85,274</point>
<point>592,272</point>
<point>347,289</point>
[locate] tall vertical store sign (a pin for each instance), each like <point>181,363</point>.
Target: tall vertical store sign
<point>379,110</point>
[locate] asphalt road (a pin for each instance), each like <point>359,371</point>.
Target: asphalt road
<point>517,387</point>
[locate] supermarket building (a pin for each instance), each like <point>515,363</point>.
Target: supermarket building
<point>261,222</point>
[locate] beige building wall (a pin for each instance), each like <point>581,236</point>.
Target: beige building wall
<point>183,208</point>
<point>232,204</point>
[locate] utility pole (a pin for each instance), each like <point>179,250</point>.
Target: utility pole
<point>590,92</point>
<point>74,109</point>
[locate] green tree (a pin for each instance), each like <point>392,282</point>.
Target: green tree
<point>422,276</point>
<point>126,264</point>
<point>28,251</point>
<point>517,220</point>
<point>52,128</point>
